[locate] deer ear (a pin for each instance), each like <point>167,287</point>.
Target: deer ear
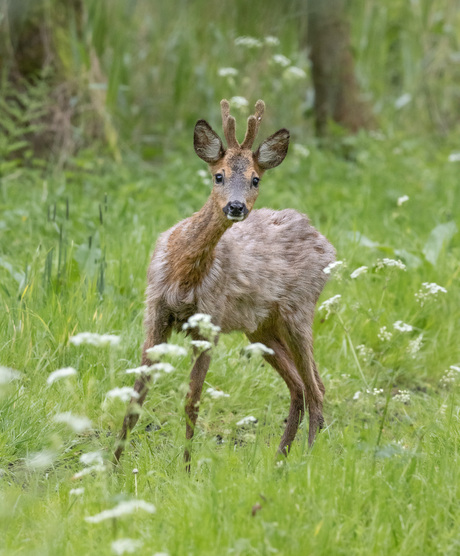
<point>207,143</point>
<point>273,150</point>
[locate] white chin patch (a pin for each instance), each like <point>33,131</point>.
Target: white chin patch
<point>235,218</point>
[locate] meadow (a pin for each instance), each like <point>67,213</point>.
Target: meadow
<point>75,239</point>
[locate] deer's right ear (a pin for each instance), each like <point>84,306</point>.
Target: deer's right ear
<point>207,143</point>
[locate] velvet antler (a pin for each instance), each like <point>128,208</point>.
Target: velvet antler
<point>228,125</point>
<point>253,125</point>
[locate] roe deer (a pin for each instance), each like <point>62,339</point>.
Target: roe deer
<point>259,272</point>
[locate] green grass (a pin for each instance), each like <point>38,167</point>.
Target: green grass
<point>383,478</point>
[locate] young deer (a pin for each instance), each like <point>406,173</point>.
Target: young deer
<point>259,272</point>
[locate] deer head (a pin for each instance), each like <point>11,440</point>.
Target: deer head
<point>237,170</point>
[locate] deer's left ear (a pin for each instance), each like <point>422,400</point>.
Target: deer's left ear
<point>207,143</point>
<point>273,150</point>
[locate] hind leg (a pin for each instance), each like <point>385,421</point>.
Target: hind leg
<point>283,363</point>
<point>300,342</point>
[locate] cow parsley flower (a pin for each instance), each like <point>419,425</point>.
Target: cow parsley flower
<point>202,322</point>
<point>201,345</point>
<point>216,394</point>
<point>332,266</point>
<point>93,339</point>
<point>239,102</point>
<point>357,272</point>
<point>92,458</point>
<point>384,335</point>
<point>162,350</point>
<point>414,346</point>
<point>428,291</point>
<point>454,157</point>
<point>402,326</point>
<point>281,60</point>
<point>389,263</point>
<point>250,419</point>
<point>40,460</point>
<point>330,305</point>
<point>125,393</point>
<point>365,352</point>
<point>293,72</point>
<point>77,423</point>
<point>97,468</point>
<point>76,491</point>
<point>301,150</point>
<point>402,396</point>
<point>402,200</point>
<point>123,508</point>
<point>271,40</point>
<point>8,375</point>
<point>227,72</point>
<point>248,42</point>
<point>143,369</point>
<point>60,373</point>
<point>126,546</point>
<point>258,349</point>
<point>450,376</point>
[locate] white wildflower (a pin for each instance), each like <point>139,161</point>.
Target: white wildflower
<point>301,150</point>
<point>402,200</point>
<point>123,508</point>
<point>143,369</point>
<point>331,266</point>
<point>450,376</point>
<point>384,335</point>
<point>391,263</point>
<point>402,396</point>
<point>216,394</point>
<point>257,349</point>
<point>92,458</point>
<point>40,460</point>
<point>358,271</point>
<point>357,395</point>
<point>429,290</point>
<point>98,468</point>
<point>281,60</point>
<point>402,326</point>
<point>375,391</point>
<point>202,322</point>
<point>161,350</point>
<point>125,393</point>
<point>60,373</point>
<point>76,491</point>
<point>77,423</point>
<point>414,346</point>
<point>203,173</point>
<point>93,339</point>
<point>402,100</point>
<point>248,42</point>
<point>250,419</point>
<point>330,304</point>
<point>227,72</point>
<point>365,352</point>
<point>454,157</point>
<point>239,102</point>
<point>201,345</point>
<point>271,40</point>
<point>293,72</point>
<point>8,375</point>
<point>126,546</point>
<point>455,368</point>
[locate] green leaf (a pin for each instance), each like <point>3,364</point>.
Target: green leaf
<point>439,239</point>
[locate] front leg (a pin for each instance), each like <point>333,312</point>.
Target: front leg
<point>141,387</point>
<point>197,377</point>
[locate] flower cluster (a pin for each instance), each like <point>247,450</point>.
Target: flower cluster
<point>77,423</point>
<point>365,352</point>
<point>384,335</point>
<point>248,42</point>
<point>414,346</point>
<point>249,420</point>
<point>428,291</point>
<point>8,375</point>
<point>358,272</point>
<point>227,72</point>
<point>60,373</point>
<point>332,266</point>
<point>402,326</point>
<point>125,393</point>
<point>389,263</point>
<point>123,508</point>
<point>93,339</point>
<point>402,396</point>
<point>330,305</point>
<point>258,349</point>
<point>202,322</point>
<point>450,376</point>
<point>216,394</point>
<point>162,350</point>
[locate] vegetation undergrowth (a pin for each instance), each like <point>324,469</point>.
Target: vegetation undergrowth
<point>383,477</point>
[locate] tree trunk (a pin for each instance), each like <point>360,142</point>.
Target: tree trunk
<point>337,93</point>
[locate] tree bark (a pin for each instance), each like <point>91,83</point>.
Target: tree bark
<point>337,95</point>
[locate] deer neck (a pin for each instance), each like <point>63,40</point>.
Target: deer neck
<point>191,245</point>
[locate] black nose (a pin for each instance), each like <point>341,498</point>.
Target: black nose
<point>235,208</point>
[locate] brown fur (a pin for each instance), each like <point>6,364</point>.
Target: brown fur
<point>262,276</point>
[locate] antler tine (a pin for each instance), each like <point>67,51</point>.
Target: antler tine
<point>253,125</point>
<point>228,125</point>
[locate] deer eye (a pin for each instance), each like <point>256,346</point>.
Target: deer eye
<point>219,178</point>
<point>255,182</point>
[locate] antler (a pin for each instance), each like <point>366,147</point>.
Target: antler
<point>253,125</point>
<point>229,125</point>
